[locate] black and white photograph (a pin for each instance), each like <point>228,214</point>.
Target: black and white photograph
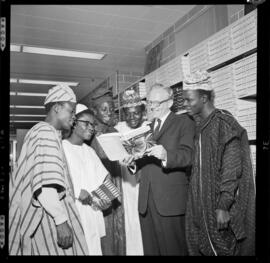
<point>134,130</point>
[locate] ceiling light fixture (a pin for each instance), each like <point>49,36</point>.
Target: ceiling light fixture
<point>15,48</point>
<point>24,121</point>
<point>61,52</point>
<point>26,107</point>
<point>13,80</point>
<point>13,93</point>
<point>27,115</point>
<point>46,82</point>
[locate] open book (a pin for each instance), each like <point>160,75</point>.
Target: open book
<point>118,145</point>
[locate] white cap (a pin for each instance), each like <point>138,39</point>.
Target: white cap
<point>80,108</point>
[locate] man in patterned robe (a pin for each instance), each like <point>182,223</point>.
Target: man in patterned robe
<point>43,218</point>
<point>220,216</point>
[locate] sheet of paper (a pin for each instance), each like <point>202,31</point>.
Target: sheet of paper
<point>112,146</point>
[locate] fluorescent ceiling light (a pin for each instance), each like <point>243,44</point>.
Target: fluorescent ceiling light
<point>47,82</point>
<point>26,107</point>
<point>12,93</point>
<point>25,121</point>
<point>27,115</point>
<point>13,80</point>
<point>15,48</point>
<point>61,52</point>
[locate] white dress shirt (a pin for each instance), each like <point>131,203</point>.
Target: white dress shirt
<point>162,119</point>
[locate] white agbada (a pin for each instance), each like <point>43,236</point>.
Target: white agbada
<point>130,188</point>
<point>87,173</point>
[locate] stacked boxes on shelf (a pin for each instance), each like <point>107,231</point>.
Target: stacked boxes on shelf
<point>174,72</point>
<point>246,116</point>
<point>219,48</point>
<point>222,83</point>
<point>150,79</point>
<point>142,89</point>
<point>244,33</point>
<point>162,77</point>
<point>167,75</point>
<point>245,75</point>
<point>185,65</point>
<point>198,57</point>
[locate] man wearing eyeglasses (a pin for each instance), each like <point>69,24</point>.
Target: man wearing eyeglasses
<point>163,186</point>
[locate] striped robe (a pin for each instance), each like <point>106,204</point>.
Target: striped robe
<point>32,230</point>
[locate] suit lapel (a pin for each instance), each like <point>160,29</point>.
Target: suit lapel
<point>165,125</point>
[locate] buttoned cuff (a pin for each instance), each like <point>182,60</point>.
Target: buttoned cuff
<point>132,168</point>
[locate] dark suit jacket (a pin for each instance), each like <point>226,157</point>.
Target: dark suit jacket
<point>169,184</point>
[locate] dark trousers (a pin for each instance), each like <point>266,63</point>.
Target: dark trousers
<point>162,235</point>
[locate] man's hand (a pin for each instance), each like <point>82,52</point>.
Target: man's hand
<point>85,197</point>
<point>100,204</point>
<point>103,205</point>
<point>64,235</point>
<point>157,151</point>
<point>128,160</point>
<point>223,218</point>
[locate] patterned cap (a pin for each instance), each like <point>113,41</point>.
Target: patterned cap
<point>197,80</point>
<point>61,92</point>
<point>80,108</point>
<point>131,98</point>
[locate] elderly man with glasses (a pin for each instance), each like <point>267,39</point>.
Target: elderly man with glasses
<point>164,182</point>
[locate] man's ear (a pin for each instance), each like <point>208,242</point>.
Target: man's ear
<point>94,110</point>
<point>205,98</point>
<point>170,103</point>
<point>56,107</point>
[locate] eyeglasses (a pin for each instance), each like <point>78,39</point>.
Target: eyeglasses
<point>87,123</point>
<point>156,103</point>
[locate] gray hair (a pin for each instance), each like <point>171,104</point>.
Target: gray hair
<point>157,86</point>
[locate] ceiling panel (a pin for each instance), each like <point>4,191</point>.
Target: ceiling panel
<point>120,31</point>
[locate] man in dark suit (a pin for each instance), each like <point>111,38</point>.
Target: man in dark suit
<point>164,182</point>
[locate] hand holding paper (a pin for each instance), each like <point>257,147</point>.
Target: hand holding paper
<point>157,151</point>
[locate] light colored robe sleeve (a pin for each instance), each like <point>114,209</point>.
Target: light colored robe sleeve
<point>49,200</point>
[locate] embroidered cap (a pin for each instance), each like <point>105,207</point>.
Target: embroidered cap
<point>61,92</point>
<point>197,80</point>
<point>131,98</point>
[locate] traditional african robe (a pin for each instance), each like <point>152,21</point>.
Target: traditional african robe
<point>221,179</point>
<point>32,230</point>
<point>87,173</point>
<point>114,243</point>
<point>130,186</point>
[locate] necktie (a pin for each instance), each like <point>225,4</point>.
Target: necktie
<point>156,130</point>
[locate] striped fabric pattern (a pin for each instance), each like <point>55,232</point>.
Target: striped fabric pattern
<point>107,191</point>
<point>41,162</point>
<point>61,92</point>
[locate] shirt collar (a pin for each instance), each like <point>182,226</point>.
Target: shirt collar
<point>163,118</point>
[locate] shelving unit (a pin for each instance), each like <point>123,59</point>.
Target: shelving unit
<point>231,59</point>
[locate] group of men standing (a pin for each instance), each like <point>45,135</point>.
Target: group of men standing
<point>196,187</point>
